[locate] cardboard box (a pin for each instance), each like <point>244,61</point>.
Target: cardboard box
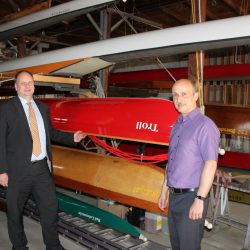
<point>109,206</point>
<point>238,196</point>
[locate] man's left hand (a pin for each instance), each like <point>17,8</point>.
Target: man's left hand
<point>196,210</point>
<point>78,136</point>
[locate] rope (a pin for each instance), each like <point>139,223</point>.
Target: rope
<point>160,62</point>
<point>198,58</point>
<point>135,158</point>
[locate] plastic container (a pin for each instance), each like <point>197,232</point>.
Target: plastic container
<point>153,222</point>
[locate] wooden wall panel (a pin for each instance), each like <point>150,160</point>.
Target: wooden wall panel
<point>230,119</point>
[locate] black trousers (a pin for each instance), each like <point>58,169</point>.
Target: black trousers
<point>39,183</point>
<point>185,234</point>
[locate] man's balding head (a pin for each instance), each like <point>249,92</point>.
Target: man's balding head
<point>184,96</point>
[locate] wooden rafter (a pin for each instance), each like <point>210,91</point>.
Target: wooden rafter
<point>25,12</point>
<point>183,19</point>
<point>210,15</point>
<point>56,79</point>
<point>233,5</point>
<point>13,5</point>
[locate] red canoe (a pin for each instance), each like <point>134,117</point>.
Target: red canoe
<point>136,119</point>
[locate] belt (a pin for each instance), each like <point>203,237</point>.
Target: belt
<point>39,161</point>
<point>182,190</point>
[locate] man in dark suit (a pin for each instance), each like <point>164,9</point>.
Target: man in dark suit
<point>25,160</point>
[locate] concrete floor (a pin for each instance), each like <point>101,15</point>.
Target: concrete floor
<point>222,237</point>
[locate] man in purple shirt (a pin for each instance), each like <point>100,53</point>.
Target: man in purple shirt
<point>192,163</point>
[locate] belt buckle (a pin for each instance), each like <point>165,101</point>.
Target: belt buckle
<point>171,190</point>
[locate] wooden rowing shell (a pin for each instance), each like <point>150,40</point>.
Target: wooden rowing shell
<point>108,177</point>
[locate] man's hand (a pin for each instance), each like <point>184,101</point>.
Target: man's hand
<point>4,179</point>
<point>78,136</point>
<point>196,210</point>
<point>163,199</point>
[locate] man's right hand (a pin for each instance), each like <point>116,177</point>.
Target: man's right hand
<point>4,179</point>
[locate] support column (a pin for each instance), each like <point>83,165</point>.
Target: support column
<point>105,21</point>
<point>247,98</point>
<point>21,47</point>
<point>196,60</point>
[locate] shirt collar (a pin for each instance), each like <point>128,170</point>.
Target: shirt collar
<point>23,101</point>
<point>190,116</point>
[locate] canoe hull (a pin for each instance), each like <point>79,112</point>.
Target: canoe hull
<point>108,177</point>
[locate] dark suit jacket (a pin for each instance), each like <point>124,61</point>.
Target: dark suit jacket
<point>16,139</point>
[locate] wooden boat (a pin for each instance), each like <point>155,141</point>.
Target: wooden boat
<point>108,177</point>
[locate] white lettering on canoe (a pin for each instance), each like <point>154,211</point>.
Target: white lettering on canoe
<point>90,217</point>
<point>147,125</point>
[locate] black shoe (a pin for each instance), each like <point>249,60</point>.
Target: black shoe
<point>24,248</point>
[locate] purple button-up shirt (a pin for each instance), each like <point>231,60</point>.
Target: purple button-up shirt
<point>194,139</point>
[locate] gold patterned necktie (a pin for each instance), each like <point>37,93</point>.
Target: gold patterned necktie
<point>34,131</point>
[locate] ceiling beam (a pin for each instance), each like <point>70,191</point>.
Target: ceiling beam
<point>24,12</point>
<point>136,18</point>
<point>46,39</point>
<point>55,79</point>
